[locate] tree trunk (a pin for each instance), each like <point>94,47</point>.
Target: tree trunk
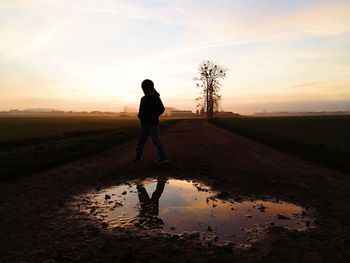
<point>210,103</point>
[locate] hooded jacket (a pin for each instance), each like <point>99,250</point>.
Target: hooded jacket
<point>151,107</point>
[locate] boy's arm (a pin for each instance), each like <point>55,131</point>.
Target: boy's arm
<point>140,110</point>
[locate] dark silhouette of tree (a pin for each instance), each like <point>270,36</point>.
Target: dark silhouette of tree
<point>209,76</point>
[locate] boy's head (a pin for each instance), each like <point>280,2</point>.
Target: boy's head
<point>147,86</point>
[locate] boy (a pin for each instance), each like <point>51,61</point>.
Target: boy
<point>151,107</point>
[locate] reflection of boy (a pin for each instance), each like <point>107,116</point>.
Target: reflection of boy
<point>151,107</point>
<point>150,206</point>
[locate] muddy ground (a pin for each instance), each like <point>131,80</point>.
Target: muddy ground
<point>39,224</point>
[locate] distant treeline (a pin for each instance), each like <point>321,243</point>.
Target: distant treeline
<point>302,113</point>
<point>56,112</point>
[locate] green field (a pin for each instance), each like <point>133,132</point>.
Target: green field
<point>321,139</point>
<point>29,144</point>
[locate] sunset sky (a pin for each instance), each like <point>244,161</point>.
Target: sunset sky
<point>92,55</point>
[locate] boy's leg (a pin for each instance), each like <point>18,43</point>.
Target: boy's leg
<point>153,130</point>
<point>143,197</point>
<point>159,190</point>
<point>141,141</point>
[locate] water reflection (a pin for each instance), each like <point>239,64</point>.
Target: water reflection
<point>150,206</point>
<point>177,206</point>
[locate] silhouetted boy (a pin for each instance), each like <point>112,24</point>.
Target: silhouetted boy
<point>151,107</point>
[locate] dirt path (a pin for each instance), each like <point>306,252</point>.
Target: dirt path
<point>37,225</point>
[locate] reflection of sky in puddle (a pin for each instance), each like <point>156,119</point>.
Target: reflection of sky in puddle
<point>187,206</point>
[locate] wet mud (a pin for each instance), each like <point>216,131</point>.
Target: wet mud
<point>72,213</point>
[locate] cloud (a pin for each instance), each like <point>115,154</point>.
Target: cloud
<point>231,25</point>
<point>305,84</point>
<point>98,48</point>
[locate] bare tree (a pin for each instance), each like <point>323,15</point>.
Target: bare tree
<point>209,76</point>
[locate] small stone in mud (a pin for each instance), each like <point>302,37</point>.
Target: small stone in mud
<point>201,189</point>
<point>118,204</point>
<point>215,205</point>
<point>107,197</point>
<point>124,193</point>
<point>173,228</point>
<point>248,216</point>
<point>138,225</point>
<point>190,235</point>
<point>223,195</point>
<point>238,199</point>
<point>210,228</point>
<point>282,217</point>
<point>95,230</point>
<point>194,235</point>
<point>175,237</point>
<point>260,207</point>
<point>276,229</point>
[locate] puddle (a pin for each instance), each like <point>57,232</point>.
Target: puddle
<point>178,206</point>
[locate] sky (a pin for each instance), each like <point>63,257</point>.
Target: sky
<point>93,55</point>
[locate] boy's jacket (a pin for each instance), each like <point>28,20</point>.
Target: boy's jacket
<point>151,107</point>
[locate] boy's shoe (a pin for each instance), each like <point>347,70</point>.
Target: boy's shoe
<point>138,160</point>
<point>163,160</point>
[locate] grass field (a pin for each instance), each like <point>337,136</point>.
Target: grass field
<point>29,144</point>
<point>322,139</point>
<point>24,127</point>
